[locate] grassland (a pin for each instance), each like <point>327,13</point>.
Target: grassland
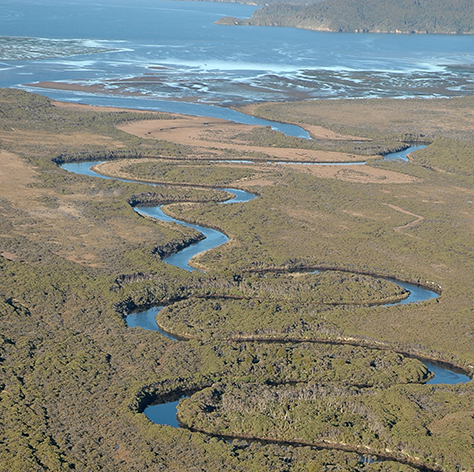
<point>76,258</point>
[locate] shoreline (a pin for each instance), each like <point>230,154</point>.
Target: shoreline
<point>316,132</point>
<point>100,89</point>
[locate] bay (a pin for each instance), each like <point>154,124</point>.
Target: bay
<point>173,51</point>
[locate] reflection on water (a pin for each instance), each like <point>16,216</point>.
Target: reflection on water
<point>164,413</point>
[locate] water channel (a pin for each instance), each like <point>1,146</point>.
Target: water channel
<point>165,413</point>
<point>220,65</point>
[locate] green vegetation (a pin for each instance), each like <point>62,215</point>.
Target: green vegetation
<point>448,156</point>
<point>368,16</point>
<point>378,422</point>
<point>271,344</point>
<point>200,174</point>
<point>268,305</point>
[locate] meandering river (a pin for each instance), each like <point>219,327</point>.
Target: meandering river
<point>185,58</point>
<point>165,413</point>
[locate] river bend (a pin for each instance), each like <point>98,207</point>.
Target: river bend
<point>165,413</point>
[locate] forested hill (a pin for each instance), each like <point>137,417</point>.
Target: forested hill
<point>377,16</point>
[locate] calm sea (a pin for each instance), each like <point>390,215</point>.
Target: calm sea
<point>168,51</point>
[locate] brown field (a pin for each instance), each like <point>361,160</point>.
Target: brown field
<point>216,134</point>
<point>316,132</point>
<point>357,173</point>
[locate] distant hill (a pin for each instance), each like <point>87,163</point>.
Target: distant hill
<point>371,16</point>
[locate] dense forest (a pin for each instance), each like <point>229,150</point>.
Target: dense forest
<point>374,16</point>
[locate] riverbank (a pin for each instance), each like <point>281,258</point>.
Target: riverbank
<point>62,283</point>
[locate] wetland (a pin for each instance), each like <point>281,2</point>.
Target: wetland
<point>295,340</point>
<point>253,316</point>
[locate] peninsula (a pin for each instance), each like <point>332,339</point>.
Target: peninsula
<point>367,16</point>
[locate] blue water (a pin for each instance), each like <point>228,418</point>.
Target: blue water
<point>403,155</point>
<point>240,196</point>
<point>213,238</point>
<point>146,320</point>
<point>417,294</point>
<point>445,376</point>
<point>182,54</point>
<point>163,413</point>
<point>84,168</point>
<point>181,259</point>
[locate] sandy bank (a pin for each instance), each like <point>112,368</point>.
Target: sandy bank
<point>218,135</point>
